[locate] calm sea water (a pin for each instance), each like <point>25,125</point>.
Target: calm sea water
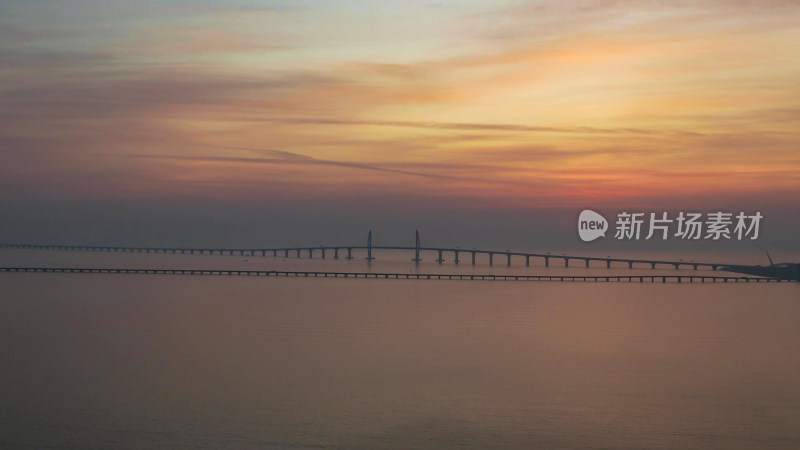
<point>155,361</point>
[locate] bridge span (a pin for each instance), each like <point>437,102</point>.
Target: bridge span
<point>640,278</point>
<point>457,254</point>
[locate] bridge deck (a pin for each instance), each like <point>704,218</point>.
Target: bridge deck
<point>335,250</point>
<point>641,278</point>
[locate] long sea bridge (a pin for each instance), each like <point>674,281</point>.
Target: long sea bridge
<point>640,278</point>
<point>457,255</point>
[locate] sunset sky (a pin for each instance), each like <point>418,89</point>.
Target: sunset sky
<point>393,110</point>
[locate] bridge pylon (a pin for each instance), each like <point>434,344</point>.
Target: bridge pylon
<point>369,246</point>
<point>416,247</point>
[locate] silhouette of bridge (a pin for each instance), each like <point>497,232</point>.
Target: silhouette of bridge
<point>641,278</point>
<point>348,251</point>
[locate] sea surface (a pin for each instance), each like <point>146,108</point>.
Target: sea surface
<point>103,361</point>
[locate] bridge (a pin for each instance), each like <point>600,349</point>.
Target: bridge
<point>457,254</point>
<point>403,276</point>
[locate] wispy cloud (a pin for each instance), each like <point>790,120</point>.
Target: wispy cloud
<point>472,126</point>
<point>279,157</point>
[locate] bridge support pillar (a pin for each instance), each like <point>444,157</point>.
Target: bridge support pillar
<point>587,263</point>
<point>508,255</point>
<point>349,252</point>
<point>336,253</point>
<point>491,258</point>
<point>441,259</point>
<point>456,255</point>
<point>473,258</point>
<point>608,264</point>
<point>653,265</point>
<point>566,262</point>
<point>527,261</point>
<point>547,261</point>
